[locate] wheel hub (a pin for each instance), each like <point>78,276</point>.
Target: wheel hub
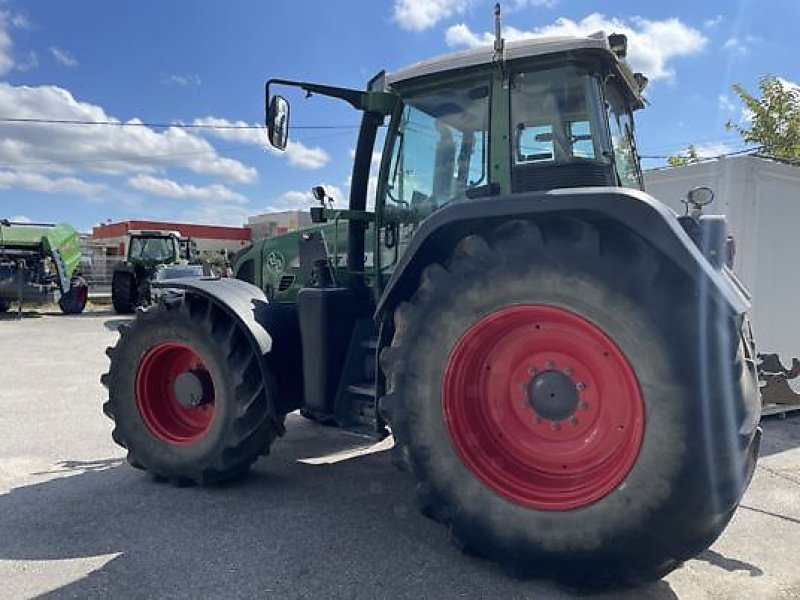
<point>553,395</point>
<point>193,388</point>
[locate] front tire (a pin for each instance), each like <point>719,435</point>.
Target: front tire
<point>537,387</point>
<point>123,292</point>
<point>187,393</point>
<point>74,301</point>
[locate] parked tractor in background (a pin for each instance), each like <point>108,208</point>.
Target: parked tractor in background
<point>151,256</point>
<point>40,263</point>
<point>564,370</point>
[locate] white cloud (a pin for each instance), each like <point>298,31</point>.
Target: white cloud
<point>215,213</point>
<point>651,44</point>
<point>9,20</point>
<point>100,149</point>
<point>65,58</point>
<point>167,188</point>
<point>713,150</point>
<point>298,154</point>
<point>6,58</point>
<point>189,80</point>
<point>789,86</point>
<point>60,185</point>
<point>19,21</point>
<point>739,46</point>
<point>515,5</point>
<point>28,62</point>
<point>713,21</point>
<point>302,200</point>
<point>725,103</point>
<point>418,15</point>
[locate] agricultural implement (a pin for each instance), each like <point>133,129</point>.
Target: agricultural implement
<point>40,263</point>
<point>563,367</point>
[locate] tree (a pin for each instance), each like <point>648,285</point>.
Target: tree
<point>689,158</point>
<point>773,119</point>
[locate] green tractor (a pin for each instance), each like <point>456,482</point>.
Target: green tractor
<point>564,369</point>
<point>40,262</point>
<point>150,256</point>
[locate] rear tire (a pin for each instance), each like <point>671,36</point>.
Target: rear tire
<point>487,451</point>
<point>123,292</point>
<point>231,421</point>
<point>74,301</point>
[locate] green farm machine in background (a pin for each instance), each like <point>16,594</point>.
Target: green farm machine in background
<point>150,255</point>
<point>40,263</point>
<point>563,362</point>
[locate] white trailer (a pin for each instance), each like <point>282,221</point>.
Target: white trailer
<point>761,200</point>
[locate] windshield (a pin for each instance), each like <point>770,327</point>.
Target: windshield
<point>441,147</point>
<point>160,249</point>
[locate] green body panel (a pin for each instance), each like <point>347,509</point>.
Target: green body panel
<point>275,261</point>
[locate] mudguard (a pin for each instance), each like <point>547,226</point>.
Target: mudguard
<point>273,329</point>
<point>635,210</point>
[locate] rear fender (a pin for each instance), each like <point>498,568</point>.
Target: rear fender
<point>634,210</point>
<point>272,329</point>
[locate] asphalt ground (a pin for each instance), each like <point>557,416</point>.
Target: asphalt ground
<point>324,516</point>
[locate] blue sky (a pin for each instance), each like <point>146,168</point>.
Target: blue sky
<point>183,61</point>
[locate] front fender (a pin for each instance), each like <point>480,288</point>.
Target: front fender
<point>272,329</point>
<point>635,210</point>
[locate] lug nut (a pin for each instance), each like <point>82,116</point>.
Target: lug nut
<point>555,426</point>
<point>573,421</point>
<point>581,386</point>
<point>568,371</point>
<point>531,370</point>
<point>582,405</point>
<point>549,364</point>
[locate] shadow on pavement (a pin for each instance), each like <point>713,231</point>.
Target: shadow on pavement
<point>114,324</point>
<point>291,529</point>
<point>14,315</point>
<point>730,564</point>
<point>780,434</point>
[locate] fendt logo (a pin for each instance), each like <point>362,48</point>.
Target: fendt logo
<point>275,262</point>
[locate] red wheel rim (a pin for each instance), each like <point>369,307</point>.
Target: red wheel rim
<point>83,295</point>
<point>549,451</point>
<point>164,415</point>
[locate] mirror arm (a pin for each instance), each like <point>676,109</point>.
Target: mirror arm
<point>357,99</point>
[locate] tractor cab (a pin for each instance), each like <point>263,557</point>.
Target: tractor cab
<point>527,116</point>
<point>151,248</point>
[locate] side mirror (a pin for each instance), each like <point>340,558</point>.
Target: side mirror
<point>699,197</point>
<point>319,194</point>
<point>278,122</point>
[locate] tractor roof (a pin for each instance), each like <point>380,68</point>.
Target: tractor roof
<point>154,233</point>
<point>528,48</point>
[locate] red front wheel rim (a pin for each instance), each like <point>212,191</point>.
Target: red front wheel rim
<point>543,407</point>
<point>170,413</point>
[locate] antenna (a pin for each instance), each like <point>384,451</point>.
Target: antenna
<point>499,42</point>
